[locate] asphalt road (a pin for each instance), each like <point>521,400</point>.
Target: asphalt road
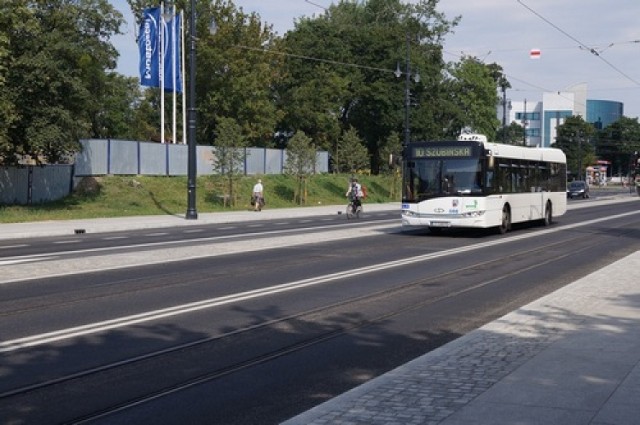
<point>258,322</point>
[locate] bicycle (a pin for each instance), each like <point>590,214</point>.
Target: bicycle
<point>354,209</point>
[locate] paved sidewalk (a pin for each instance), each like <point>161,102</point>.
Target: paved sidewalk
<point>101,225</point>
<point>571,357</point>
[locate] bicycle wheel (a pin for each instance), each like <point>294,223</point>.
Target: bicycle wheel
<point>349,211</point>
<point>358,211</point>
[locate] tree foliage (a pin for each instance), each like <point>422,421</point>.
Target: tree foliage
<point>390,153</point>
<point>55,55</point>
<point>575,139</point>
<point>618,143</point>
<point>331,80</point>
<point>229,153</point>
<point>475,92</point>
<point>301,155</point>
<point>301,160</point>
<point>350,154</point>
<point>513,134</point>
<point>339,72</point>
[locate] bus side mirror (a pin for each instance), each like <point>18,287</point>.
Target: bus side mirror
<point>489,154</point>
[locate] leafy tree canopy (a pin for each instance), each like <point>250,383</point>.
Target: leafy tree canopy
<point>575,139</point>
<point>339,72</point>
<point>55,57</point>
<point>618,144</point>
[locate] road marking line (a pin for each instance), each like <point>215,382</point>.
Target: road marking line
<point>14,246</point>
<point>92,328</point>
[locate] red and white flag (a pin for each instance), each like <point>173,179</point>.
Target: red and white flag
<point>534,54</point>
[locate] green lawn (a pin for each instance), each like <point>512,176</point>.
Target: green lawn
<point>116,196</point>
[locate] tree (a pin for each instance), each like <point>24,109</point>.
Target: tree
<point>229,153</point>
<point>350,154</point>
<point>618,142</point>
<point>390,153</point>
<point>116,115</point>
<point>301,160</point>
<point>236,73</point>
<point>513,134</point>
<point>475,92</point>
<point>56,63</point>
<point>497,73</point>
<point>7,116</point>
<point>574,138</point>
<point>340,70</point>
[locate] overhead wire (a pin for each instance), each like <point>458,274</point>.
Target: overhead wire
<point>580,43</point>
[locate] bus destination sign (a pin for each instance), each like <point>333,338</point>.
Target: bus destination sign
<point>442,151</point>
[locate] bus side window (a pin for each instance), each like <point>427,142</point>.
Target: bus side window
<point>489,182</point>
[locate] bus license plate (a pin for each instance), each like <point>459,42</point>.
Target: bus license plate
<point>439,224</point>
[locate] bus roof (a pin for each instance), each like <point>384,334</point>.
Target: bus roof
<point>517,152</point>
<point>499,150</point>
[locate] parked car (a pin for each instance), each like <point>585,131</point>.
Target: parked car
<point>578,189</point>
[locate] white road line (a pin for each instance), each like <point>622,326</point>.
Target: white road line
<point>114,238</point>
<point>67,242</point>
<point>14,246</point>
<point>153,235</point>
<point>121,322</point>
<point>92,328</point>
<point>24,260</point>
<point>193,231</point>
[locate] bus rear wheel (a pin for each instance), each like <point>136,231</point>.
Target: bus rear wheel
<point>505,224</point>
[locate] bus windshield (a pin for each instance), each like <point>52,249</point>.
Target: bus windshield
<point>427,178</point>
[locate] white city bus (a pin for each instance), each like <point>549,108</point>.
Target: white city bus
<point>471,183</point>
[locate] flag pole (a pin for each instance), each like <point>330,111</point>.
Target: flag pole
<point>174,45</point>
<point>184,91</point>
<point>161,71</point>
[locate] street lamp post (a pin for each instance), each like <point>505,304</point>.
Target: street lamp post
<point>192,213</point>
<point>407,93</point>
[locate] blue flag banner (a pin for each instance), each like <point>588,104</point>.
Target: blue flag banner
<point>149,46</point>
<point>172,55</point>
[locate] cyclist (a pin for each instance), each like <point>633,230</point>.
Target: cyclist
<point>355,195</point>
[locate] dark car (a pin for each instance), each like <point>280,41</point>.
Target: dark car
<point>578,189</point>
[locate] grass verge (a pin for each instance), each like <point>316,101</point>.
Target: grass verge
<point>118,196</point>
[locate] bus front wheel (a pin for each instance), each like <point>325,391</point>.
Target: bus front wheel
<point>505,224</point>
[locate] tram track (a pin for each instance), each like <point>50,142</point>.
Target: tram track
<point>413,296</point>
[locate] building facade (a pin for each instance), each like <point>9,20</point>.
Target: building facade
<point>540,119</point>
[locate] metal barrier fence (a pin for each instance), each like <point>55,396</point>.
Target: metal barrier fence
<point>32,184</point>
<point>36,184</point>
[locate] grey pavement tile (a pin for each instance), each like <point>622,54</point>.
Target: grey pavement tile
<point>619,340</point>
<point>478,413</point>
<point>629,391</point>
<point>584,383</point>
<point>619,414</point>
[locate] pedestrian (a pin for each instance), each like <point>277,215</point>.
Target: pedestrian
<point>258,196</point>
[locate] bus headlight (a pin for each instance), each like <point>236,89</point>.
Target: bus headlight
<point>472,214</point>
<point>409,213</point>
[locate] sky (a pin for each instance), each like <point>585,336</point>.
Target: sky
<point>580,41</point>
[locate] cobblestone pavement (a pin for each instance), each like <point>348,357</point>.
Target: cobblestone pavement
<point>571,357</point>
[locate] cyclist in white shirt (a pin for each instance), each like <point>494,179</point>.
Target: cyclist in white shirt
<point>354,193</point>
